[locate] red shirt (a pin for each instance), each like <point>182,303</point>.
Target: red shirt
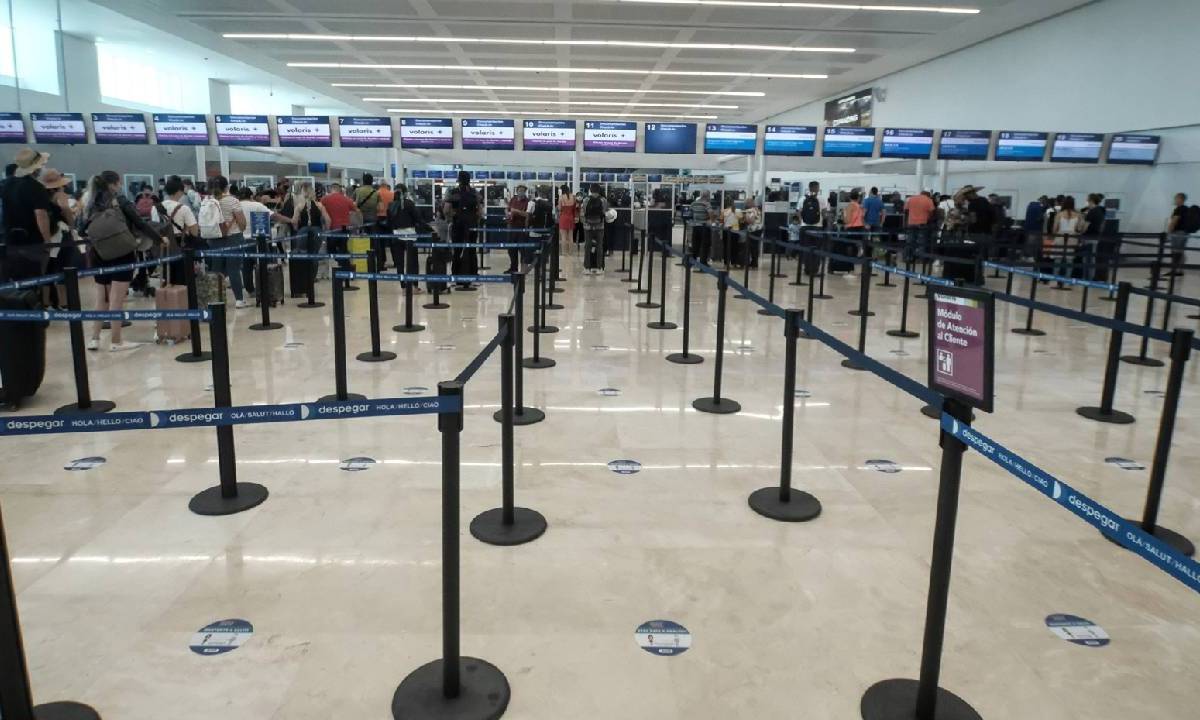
<point>514,204</point>
<point>339,208</point>
<point>920,208</point>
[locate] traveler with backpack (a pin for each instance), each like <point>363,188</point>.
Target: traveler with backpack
<point>404,220</point>
<point>176,222</point>
<point>595,208</point>
<point>1184,221</point>
<point>464,211</point>
<point>145,203</point>
<point>221,225</point>
<point>366,200</point>
<point>541,218</point>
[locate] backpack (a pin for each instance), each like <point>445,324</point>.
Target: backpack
<point>1191,220</point>
<point>810,210</point>
<point>402,214</point>
<point>109,232</point>
<point>465,202</point>
<point>542,214</point>
<point>210,219</point>
<point>145,206</point>
<point>593,211</point>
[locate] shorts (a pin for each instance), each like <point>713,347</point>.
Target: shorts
<point>125,276</point>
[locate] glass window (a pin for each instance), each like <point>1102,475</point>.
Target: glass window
<point>127,78</point>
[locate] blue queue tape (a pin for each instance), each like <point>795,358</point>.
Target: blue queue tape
<point>489,246</point>
<point>32,282</point>
<point>928,279</point>
<point>1045,276</point>
<point>393,277</point>
<point>92,272</point>
<point>1128,534</point>
<point>1121,325</point>
<point>895,377</point>
<point>290,256</point>
<point>755,298</point>
<point>86,315</point>
<point>219,417</point>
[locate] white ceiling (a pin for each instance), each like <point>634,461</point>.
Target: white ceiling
<point>884,41</point>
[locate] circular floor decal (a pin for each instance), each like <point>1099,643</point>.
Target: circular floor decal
<point>1156,393</point>
<point>899,353</point>
<point>444,348</point>
<point>1077,630</point>
<point>803,394</point>
<point>86,463</point>
<point>221,637</point>
<point>744,349</point>
<point>1125,463</point>
<point>663,637</point>
<point>599,348</point>
<point>357,464</point>
<point>883,466</point>
<point>415,390</point>
<point>625,467</point>
<point>609,392</point>
<point>293,345</point>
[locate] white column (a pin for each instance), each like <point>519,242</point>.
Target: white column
<point>920,175</point>
<point>762,177</point>
<point>575,179</point>
<point>943,172</point>
<point>223,155</point>
<point>218,97</point>
<point>399,174</point>
<point>201,170</point>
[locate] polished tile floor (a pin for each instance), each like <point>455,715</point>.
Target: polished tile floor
<point>339,572</point>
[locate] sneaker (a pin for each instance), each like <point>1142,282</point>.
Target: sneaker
<point>126,345</point>
<point>93,344</point>
<point>240,304</point>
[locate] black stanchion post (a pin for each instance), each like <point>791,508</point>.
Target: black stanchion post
<point>717,404</point>
<point>84,404</point>
<point>311,265</point>
<point>1029,329</point>
<point>800,261</point>
<point>641,266</point>
<point>542,297</point>
<point>1141,358</point>
<point>771,285</point>
<point>552,244</point>
<point>783,503</point>
<point>197,354</point>
<point>339,346</point>
<point>888,260</point>
<point>776,260</point>
<point>1105,413</point>
<point>374,259</point>
<point>904,332</point>
<point>521,415</point>
<point>260,244</point>
<point>507,524</point>
<point>745,268</point>
<point>864,300</point>
<point>923,699</point>
<point>230,496</point>
<point>685,357</point>
<point>626,267</point>
<point>409,326</point>
<point>648,303</point>
<point>822,264</point>
<point>1169,301</point>
<point>661,323</point>
<point>1065,253</point>
<point>537,362</point>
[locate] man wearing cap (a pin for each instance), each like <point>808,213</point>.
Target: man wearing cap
<point>26,216</point>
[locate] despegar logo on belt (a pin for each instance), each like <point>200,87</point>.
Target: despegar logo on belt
<point>342,409</point>
<point>34,424</point>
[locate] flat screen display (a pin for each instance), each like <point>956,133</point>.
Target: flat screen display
<point>243,130</point>
<point>1134,149</point>
<point>794,140</point>
<point>12,128</point>
<point>180,129</point>
<point>854,110</point>
<point>609,136</point>
<point>58,128</point>
<point>303,131</point>
<point>671,138</point>
<point>730,139</point>
<point>561,177</point>
<point>1015,145</point>
<point>910,143</point>
<point>365,132</point>
<point>548,135</point>
<point>528,175</point>
<point>488,134</point>
<point>851,142</point>
<point>965,145</point>
<point>1077,147</point>
<point>426,133</point>
<point>120,129</point>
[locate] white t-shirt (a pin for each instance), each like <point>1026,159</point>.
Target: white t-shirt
<point>183,218</point>
<point>824,204</point>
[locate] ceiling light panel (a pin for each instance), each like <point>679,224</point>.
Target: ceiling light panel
<point>600,116</point>
<point>789,5</point>
<point>548,70</point>
<point>584,103</point>
<point>551,89</point>
<point>413,39</point>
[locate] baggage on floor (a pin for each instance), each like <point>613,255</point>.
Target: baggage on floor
<point>273,292</point>
<point>435,264</point>
<point>172,297</point>
<point>959,262</point>
<point>22,347</point>
<point>359,245</point>
<point>466,261</point>
<point>210,288</point>
<point>842,248</point>
<point>301,276</point>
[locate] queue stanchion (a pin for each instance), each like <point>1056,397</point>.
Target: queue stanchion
<point>1105,412</point>
<point>661,323</point>
<point>716,404</point>
<point>507,524</point>
<point>922,699</point>
<point>1029,329</point>
<point>904,332</point>
<point>1008,283</point>
<point>230,496</point>
<point>626,266</point>
<point>812,286</point>
<point>648,303</point>
<point>374,257</point>
<point>552,244</point>
<point>641,266</point>
<point>310,300</point>
<point>864,299</point>
<point>409,326</point>
<point>263,294</point>
<point>339,347</point>
<point>1169,300</point>
<point>197,354</point>
<point>521,415</point>
<point>888,262</point>
<point>84,404</point>
<point>745,270</point>
<point>1141,358</point>
<point>542,297</point>
<point>784,503</point>
<point>822,265</point>
<point>537,362</point>
<point>436,289</point>
<point>776,261</point>
<point>1065,253</point>
<point>685,357</point>
<point>771,283</point>
<point>453,687</point>
<point>557,262</point>
<point>800,262</point>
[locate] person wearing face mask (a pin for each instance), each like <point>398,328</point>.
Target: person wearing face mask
<point>26,217</point>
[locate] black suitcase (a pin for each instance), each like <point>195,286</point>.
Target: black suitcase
<point>435,264</point>
<point>273,292</point>
<point>842,248</point>
<point>466,261</point>
<point>300,277</point>
<point>22,347</point>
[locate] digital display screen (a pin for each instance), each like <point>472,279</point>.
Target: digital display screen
<point>488,134</point>
<point>1077,147</point>
<point>303,131</point>
<point>561,176</point>
<point>180,129</point>
<point>730,139</point>
<point>965,145</point>
<point>365,132</point>
<point>549,135</point>
<point>12,128</point>
<point>910,143</point>
<point>1021,146</point>
<point>120,129</point>
<point>426,133</point>
<point>794,140</point>
<point>851,142</point>
<point>243,130</point>
<point>609,136</point>
<point>58,128</point>
<point>671,138</point>
<point>851,111</point>
<point>1134,149</point>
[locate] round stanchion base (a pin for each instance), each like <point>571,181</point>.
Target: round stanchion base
<point>65,711</point>
<point>351,288</point>
<point>779,276</point>
<point>435,306</point>
<point>483,694</point>
<point>648,305</point>
<point>97,407</point>
<point>799,507</point>
<point>1143,361</point>
<point>662,325</point>
<point>628,280</point>
<point>466,288</point>
<point>717,406</point>
<point>527,526</point>
<point>903,333</point>
<point>621,270</point>
<point>211,502</point>
<point>539,363</point>
<point>688,359</point>
<point>897,700</point>
<point>266,326</point>
<point>1064,288</point>
<point>1167,537</point>
<point>822,296</point>
<point>370,357</point>
<point>350,397</point>
<point>555,306</point>
<point>1032,332</point>
<point>311,305</point>
<point>637,291</point>
<point>1114,417</point>
<point>543,329</point>
<point>1106,298</point>
<point>886,284</point>
<point>408,328</point>
<point>764,311</point>
<point>529,416</point>
<point>933,412</point>
<point>851,365</point>
<point>798,284</point>
<point>860,313</point>
<point>190,358</point>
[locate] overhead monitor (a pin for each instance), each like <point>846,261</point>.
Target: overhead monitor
<point>671,138</point>
<point>543,176</point>
<point>303,131</point>
<point>793,140</point>
<point>1077,147</point>
<point>1017,145</point>
<point>1134,149</point>
<point>243,130</point>
<point>730,139</point>
<point>529,175</point>
<point>608,177</point>
<point>488,134</point>
<point>58,128</point>
<point>854,110</point>
<point>426,133</point>
<point>549,135</point>
<point>907,143</point>
<point>513,175</point>
<point>561,177</point>
<point>965,145</point>
<point>365,132</point>
<point>609,136</point>
<point>591,177</point>
<point>120,129</point>
<point>180,129</point>
<point>12,128</point>
<point>848,142</point>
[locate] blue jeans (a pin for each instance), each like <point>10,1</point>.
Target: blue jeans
<point>231,268</point>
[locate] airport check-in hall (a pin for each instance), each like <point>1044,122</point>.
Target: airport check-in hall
<point>606,359</point>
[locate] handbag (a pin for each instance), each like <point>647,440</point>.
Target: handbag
<point>109,233</point>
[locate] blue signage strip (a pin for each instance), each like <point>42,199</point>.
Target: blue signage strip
<point>422,278</point>
<point>671,138</point>
<point>790,140</point>
<point>965,145</point>
<point>851,142</point>
<point>907,143</point>
<point>120,129</point>
<point>1016,145</point>
<point>101,315</point>
<point>730,139</point>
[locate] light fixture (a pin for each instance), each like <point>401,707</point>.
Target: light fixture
<point>426,111</point>
<point>698,106</point>
<point>815,6</point>
<point>528,41</point>
<point>596,71</point>
<point>534,88</point>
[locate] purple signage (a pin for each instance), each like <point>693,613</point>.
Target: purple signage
<point>119,128</point>
<point>365,132</point>
<point>12,127</point>
<point>418,133</point>
<point>58,128</point>
<point>488,134</point>
<point>303,131</point>
<point>961,344</point>
<point>250,130</point>
<point>180,129</point>
<point>549,135</point>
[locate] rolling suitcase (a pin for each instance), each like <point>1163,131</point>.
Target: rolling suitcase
<point>172,297</point>
<point>301,275</point>
<point>210,288</point>
<point>272,294</point>
<point>435,264</point>
<point>22,347</point>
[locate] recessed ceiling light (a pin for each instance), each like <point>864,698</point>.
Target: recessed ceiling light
<point>815,6</point>
<point>426,111</point>
<point>524,41</point>
<point>696,106</point>
<point>597,71</point>
<point>533,88</point>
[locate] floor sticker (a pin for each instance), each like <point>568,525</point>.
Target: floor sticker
<point>444,348</point>
<point>86,463</point>
<point>357,464</point>
<point>803,394</point>
<point>1077,630</point>
<point>663,637</point>
<point>609,392</point>
<point>1156,393</point>
<point>883,466</point>
<point>1125,463</point>
<point>625,467</point>
<point>899,353</point>
<point>293,345</point>
<point>599,348</point>
<point>221,637</point>
<point>744,349</point>
<point>415,390</point>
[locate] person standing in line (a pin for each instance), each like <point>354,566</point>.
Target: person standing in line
<point>567,212</point>
<point>26,217</point>
<point>1179,226</point>
<point>1067,224</point>
<point>919,214</point>
<point>595,208</point>
<point>182,222</point>
<point>465,211</point>
<point>62,219</point>
<point>752,224</point>
<point>339,207</point>
<point>873,211</point>
<point>191,197</point>
<point>1093,251</point>
<point>404,221</point>
<point>384,201</point>
<point>701,241</point>
<point>366,200</point>
<point>230,223</point>
<point>518,222</point>
<point>731,234</point>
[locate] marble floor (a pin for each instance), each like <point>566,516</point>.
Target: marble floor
<point>339,572</point>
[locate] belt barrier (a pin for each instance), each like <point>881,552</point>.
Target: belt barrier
<point>85,315</point>
<point>927,279</point>
<point>287,256</point>
<point>395,277</point>
<point>1159,295</point>
<point>1119,325</point>
<point>1046,276</point>
<point>109,270</point>
<point>473,367</point>
<point>490,246</point>
<point>219,417</point>
<point>820,253</point>
<point>32,282</point>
